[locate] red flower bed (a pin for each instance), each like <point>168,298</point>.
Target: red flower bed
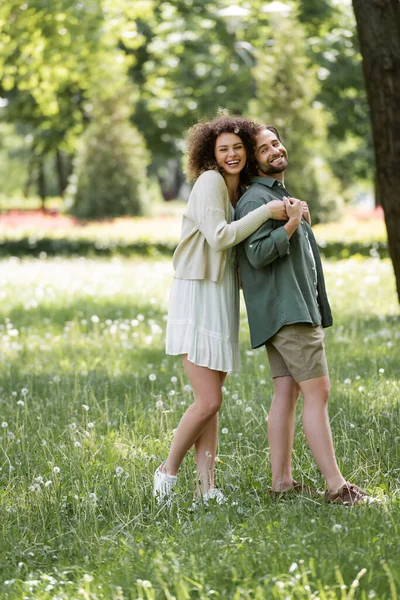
<point>38,219</point>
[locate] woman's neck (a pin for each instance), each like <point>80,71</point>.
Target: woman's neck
<point>232,183</point>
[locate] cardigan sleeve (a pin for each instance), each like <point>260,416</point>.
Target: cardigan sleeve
<point>208,211</point>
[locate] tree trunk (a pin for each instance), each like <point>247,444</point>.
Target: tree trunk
<point>378,25</point>
<point>62,180</point>
<point>29,179</point>
<point>42,185</point>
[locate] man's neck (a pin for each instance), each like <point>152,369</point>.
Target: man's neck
<point>278,176</point>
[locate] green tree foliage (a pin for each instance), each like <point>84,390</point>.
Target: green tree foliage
<point>110,171</point>
<point>187,67</point>
<point>55,58</point>
<point>13,160</point>
<point>286,89</point>
<point>333,47</point>
<point>58,59</point>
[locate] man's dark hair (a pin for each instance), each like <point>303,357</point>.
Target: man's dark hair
<point>272,128</point>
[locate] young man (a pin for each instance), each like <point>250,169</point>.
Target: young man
<point>287,307</point>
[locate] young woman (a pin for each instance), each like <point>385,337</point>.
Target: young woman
<point>203,315</point>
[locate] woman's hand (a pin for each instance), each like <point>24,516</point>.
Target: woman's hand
<point>278,210</point>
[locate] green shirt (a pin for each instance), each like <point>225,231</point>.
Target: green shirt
<point>283,282</point>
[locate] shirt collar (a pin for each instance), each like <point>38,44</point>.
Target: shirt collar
<point>268,181</point>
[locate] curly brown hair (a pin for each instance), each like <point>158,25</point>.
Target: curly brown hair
<point>201,144</point>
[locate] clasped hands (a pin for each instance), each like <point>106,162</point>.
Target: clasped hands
<point>283,210</point>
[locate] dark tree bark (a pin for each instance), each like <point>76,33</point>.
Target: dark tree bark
<point>29,179</point>
<point>42,185</point>
<point>61,177</point>
<point>378,25</point>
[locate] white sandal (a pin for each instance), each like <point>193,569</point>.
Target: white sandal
<point>163,485</point>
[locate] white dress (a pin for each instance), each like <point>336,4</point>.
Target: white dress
<point>203,320</point>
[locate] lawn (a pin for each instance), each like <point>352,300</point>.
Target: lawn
<point>88,407</point>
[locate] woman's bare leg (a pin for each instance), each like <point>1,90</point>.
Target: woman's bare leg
<point>206,385</point>
<point>206,450</point>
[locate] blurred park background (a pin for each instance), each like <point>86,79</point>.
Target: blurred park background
<point>96,97</point>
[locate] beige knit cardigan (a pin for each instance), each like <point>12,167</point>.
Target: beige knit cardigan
<point>207,231</point>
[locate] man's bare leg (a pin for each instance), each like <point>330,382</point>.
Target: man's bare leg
<point>318,431</point>
<point>281,424</point>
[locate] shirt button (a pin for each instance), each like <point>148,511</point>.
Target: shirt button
<point>280,185</point>
<point>251,245</point>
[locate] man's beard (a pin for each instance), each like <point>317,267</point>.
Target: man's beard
<point>271,170</point>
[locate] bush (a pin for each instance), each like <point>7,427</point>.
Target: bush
<point>48,246</point>
<point>109,178</point>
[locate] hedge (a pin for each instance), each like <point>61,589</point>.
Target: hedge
<point>47,246</point>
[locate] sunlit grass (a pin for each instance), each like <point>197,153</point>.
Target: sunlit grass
<point>88,406</point>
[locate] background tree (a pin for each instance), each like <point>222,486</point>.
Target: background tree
<point>110,168</point>
<point>333,48</point>
<point>287,86</point>
<point>378,23</point>
<point>186,67</point>
<point>54,58</point>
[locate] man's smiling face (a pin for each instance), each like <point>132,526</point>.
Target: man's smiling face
<point>271,155</point>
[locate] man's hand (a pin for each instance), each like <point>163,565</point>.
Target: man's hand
<point>278,210</point>
<point>306,213</point>
<point>294,208</point>
<point>294,211</point>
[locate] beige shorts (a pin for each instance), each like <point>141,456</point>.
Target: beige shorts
<point>298,351</point>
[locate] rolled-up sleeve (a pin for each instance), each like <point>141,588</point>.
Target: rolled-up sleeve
<point>266,244</point>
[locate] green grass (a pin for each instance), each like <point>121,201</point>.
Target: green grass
<point>83,424</point>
